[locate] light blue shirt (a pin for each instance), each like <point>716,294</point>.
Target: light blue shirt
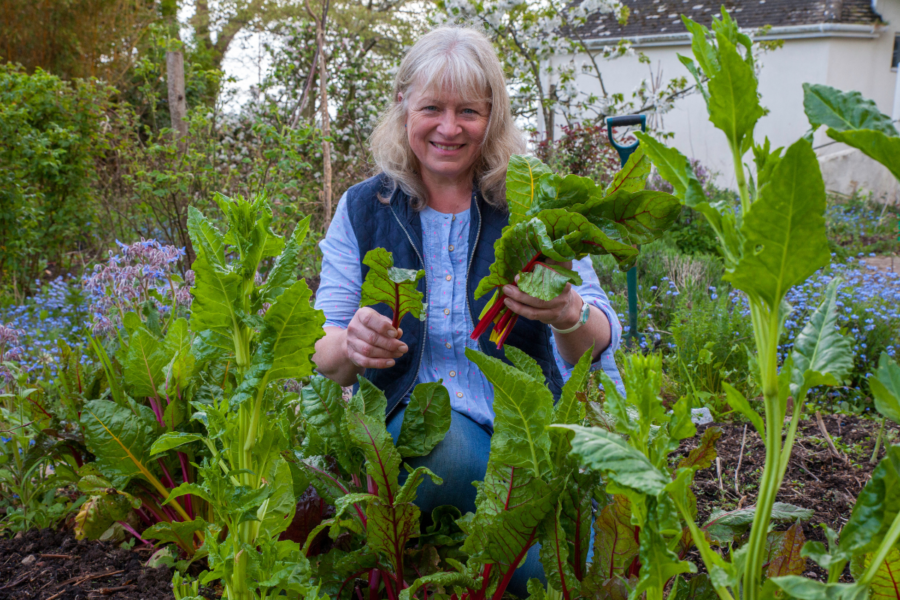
<point>446,247</point>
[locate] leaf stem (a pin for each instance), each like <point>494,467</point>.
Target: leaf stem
<point>887,544</point>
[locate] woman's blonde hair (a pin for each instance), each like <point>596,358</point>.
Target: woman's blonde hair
<point>464,61</point>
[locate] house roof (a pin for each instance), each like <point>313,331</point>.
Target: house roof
<point>661,17</point>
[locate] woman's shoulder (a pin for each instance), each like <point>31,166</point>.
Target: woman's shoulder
<point>370,191</point>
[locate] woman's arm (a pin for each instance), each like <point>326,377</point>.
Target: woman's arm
<point>355,338</point>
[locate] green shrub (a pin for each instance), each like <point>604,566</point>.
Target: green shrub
<point>51,133</point>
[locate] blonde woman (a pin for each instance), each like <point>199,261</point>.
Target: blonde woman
<point>438,204</point>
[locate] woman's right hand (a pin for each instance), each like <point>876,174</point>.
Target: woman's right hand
<point>372,342</point>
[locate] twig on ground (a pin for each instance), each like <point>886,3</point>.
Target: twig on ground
<point>55,555</point>
<point>874,458</point>
<point>82,578</point>
<point>719,473</point>
<point>828,440</point>
<point>109,591</point>
<point>740,503</point>
<point>740,460</point>
<point>808,472</point>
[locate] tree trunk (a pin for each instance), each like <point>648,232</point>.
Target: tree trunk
<point>323,110</point>
<point>177,100</point>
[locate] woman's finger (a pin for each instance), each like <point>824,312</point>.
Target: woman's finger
<point>376,330</point>
<point>369,351</point>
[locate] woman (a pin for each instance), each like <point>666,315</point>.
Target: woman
<point>439,204</point>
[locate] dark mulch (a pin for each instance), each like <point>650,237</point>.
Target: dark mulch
<point>120,574</point>
<point>815,478</point>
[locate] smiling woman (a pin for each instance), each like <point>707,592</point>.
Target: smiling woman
<point>439,204</point>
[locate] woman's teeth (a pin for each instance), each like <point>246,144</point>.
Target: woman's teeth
<point>443,147</point>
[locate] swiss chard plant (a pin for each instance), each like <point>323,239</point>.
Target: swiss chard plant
<point>554,220</point>
<point>352,461</point>
<point>774,241</point>
<point>395,287</point>
<point>250,337</point>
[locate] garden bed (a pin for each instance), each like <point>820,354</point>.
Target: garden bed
<point>44,564</point>
<point>816,479</point>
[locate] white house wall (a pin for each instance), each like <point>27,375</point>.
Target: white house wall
<point>845,63</point>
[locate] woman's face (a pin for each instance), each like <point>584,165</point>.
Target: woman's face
<point>445,133</point>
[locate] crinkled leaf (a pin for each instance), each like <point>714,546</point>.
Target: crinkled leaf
<point>215,297</point>
<point>609,454</point>
<point>294,327</point>
<point>675,168</point>
<point>426,420</point>
<point>524,363</point>
<point>511,504</point>
<point>547,281</point>
<point>733,98</point>
<point>843,111</point>
<point>373,399</point>
<point>98,513</point>
<point>207,240</point>
<point>120,439</point>
<point>885,387</point>
<point>874,144</point>
<point>387,284</point>
<point>382,458</point>
<point>615,542</point>
<point>633,217</point>
<point>632,177</point>
<point>698,587</point>
<point>522,412</point>
<point>569,410</point>
<point>876,507</point>
<point>322,406</point>
<point>284,271</point>
<point>785,557</point>
<point>822,356</point>
<point>703,456</point>
<point>784,231</point>
<point>555,554</point>
<point>407,493</point>
<point>658,563</point>
<point>886,582</point>
<point>522,176</point>
<point>389,528</point>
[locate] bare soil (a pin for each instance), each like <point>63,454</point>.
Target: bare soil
<point>816,479</point>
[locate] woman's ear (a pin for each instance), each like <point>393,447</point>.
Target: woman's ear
<point>399,97</point>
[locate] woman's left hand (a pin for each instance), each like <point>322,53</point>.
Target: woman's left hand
<point>562,312</point>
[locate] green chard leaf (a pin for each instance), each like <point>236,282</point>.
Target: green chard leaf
<point>426,420</point>
<point>569,410</point>
<point>843,111</point>
<point>704,455</point>
<point>784,230</point>
<point>785,557</point>
<point>822,356</point>
<point>284,271</point>
<point>144,364</point>
<point>733,98</point>
<point>562,192</point>
<point>658,563</point>
<point>522,177</point>
<point>876,507</point>
<point>615,542</point>
<point>633,217</point>
<point>632,177</point>
<point>522,409</point>
<point>555,554</point>
<point>120,438</point>
<point>610,455</point>
<point>874,144</point>
<point>395,287</point>
<point>382,458</point>
<point>885,386</point>
<point>722,526</point>
<point>295,326</point>
<point>886,582</point>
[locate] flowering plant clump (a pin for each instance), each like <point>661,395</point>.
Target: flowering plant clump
<point>142,275</point>
<point>9,349</point>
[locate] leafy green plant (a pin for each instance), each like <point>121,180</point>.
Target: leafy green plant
<point>395,287</point>
<point>776,241</point>
<point>554,219</point>
<point>251,337</point>
<point>885,387</point>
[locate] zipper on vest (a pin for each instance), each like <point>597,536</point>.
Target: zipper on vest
<point>469,269</point>
<point>424,329</point>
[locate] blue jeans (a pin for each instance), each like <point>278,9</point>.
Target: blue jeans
<point>460,459</point>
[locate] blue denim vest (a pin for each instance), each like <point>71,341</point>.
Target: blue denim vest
<point>398,228</point>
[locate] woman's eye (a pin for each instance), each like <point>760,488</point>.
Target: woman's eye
<point>430,108</point>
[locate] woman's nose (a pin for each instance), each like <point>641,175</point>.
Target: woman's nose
<point>449,127</point>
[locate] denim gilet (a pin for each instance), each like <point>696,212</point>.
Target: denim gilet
<point>398,228</point>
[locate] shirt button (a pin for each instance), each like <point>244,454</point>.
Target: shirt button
<point>454,218</point>
<point>448,345</point>
<point>450,248</point>
<point>452,373</point>
<point>459,394</point>
<point>446,311</point>
<point>449,277</point>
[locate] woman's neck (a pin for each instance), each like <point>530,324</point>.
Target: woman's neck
<point>448,196</point>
